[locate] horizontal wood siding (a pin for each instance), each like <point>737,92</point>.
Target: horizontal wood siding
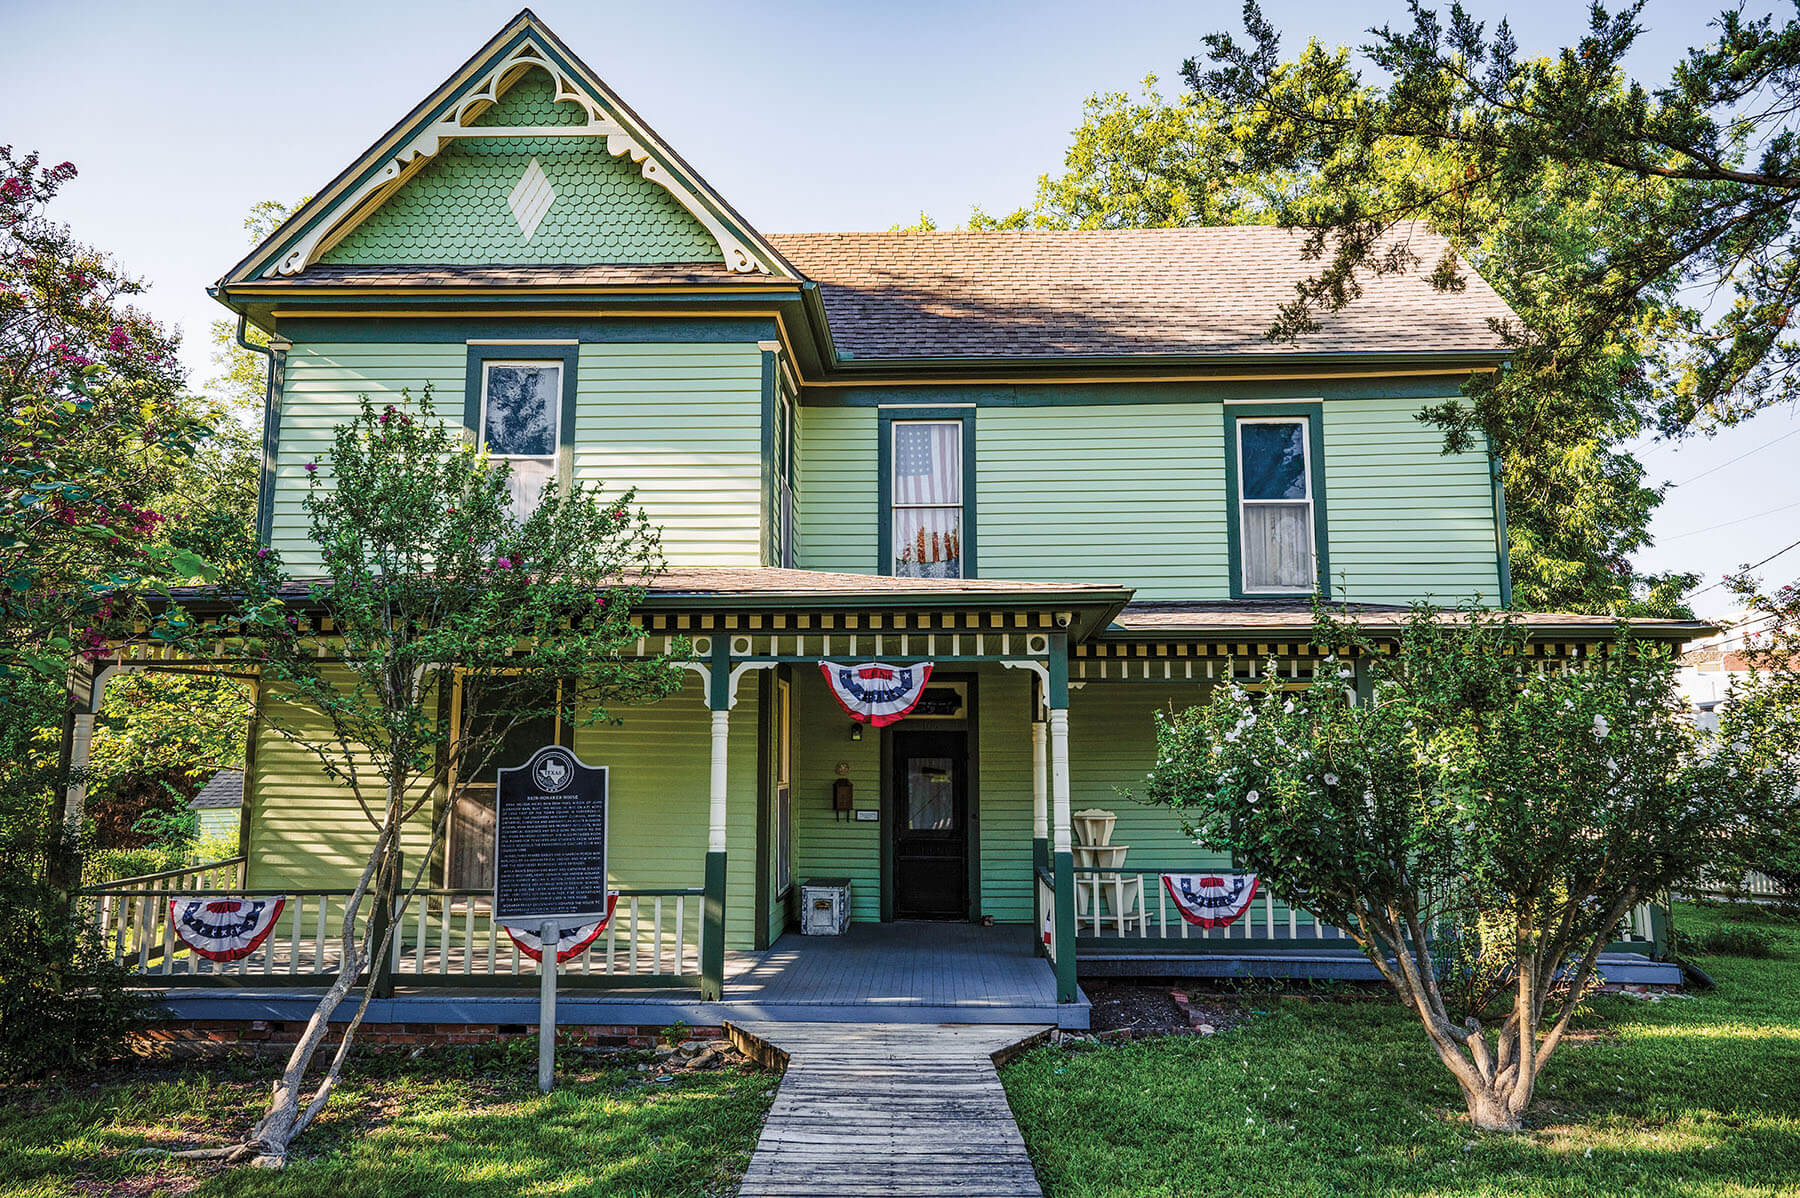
<point>827,844</point>
<point>659,762</point>
<point>1004,721</point>
<point>1112,746</point>
<point>838,501</point>
<point>683,424</point>
<point>323,386</point>
<point>308,832</point>
<point>1135,494</point>
<point>1127,493</point>
<point>1408,521</point>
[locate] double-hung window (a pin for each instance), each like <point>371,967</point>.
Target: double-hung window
<point>1276,500</point>
<point>521,423</point>
<point>926,500</point>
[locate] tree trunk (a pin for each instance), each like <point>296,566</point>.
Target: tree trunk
<point>1491,1108</point>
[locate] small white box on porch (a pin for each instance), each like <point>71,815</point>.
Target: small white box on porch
<point>824,906</point>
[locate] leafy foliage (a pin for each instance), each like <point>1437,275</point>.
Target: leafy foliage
<point>94,429</point>
<point>1578,500</point>
<point>1470,793</point>
<point>444,620</point>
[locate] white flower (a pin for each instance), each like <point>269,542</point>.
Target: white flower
<point>1288,707</point>
<point>1346,673</point>
<point>1252,797</point>
<point>1601,727</point>
<point>1331,779</point>
<point>1368,796</point>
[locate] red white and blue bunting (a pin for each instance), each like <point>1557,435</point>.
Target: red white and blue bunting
<point>1211,900</point>
<point>876,694</point>
<point>221,928</point>
<point>572,939</point>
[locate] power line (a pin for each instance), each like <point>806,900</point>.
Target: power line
<point>1754,565</point>
<point>1740,457</point>
<point>1694,532</point>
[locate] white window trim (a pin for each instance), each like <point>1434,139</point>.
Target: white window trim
<point>1306,469</point>
<point>487,371</point>
<point>895,507</point>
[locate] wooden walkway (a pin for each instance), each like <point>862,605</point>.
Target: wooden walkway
<point>883,1110</point>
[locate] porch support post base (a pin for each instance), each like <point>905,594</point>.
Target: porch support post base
<point>1065,926</point>
<point>712,930</point>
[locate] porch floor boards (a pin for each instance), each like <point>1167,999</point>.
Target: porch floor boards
<point>905,964</point>
<point>880,1110</point>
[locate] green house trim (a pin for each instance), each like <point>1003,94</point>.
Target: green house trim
<point>884,475</point>
<point>1314,411</point>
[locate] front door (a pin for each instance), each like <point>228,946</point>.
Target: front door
<point>931,825</point>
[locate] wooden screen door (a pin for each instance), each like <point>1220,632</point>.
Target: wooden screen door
<point>931,825</point>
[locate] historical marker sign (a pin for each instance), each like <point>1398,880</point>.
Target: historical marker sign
<point>550,839</point>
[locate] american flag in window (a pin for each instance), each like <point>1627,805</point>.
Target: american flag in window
<point>927,499</point>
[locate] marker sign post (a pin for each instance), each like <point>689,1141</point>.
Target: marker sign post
<point>549,863</point>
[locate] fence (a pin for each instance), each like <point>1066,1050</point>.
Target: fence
<point>1118,904</point>
<point>440,938</point>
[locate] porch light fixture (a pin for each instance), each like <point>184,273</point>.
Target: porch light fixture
<point>855,730</point>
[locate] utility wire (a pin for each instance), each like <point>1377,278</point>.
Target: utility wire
<point>1754,565</point>
<point>1694,532</point>
<point>1740,457</point>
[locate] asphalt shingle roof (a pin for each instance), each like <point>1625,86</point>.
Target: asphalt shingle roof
<point>223,789</point>
<point>1057,293</point>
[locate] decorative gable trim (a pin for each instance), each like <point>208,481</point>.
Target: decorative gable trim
<point>528,55</point>
<point>525,44</point>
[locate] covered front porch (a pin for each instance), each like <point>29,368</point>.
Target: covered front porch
<point>727,798</point>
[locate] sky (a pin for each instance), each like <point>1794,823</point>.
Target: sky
<point>806,116</point>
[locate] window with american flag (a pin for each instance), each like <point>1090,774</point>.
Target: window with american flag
<point>927,498</point>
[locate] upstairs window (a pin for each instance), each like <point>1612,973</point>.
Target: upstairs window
<point>926,501</point>
<point>521,419</point>
<point>1277,554</point>
<point>784,554</point>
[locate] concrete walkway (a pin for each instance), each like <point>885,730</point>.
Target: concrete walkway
<point>888,1109</point>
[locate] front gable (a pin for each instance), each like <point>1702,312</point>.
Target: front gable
<point>521,158</point>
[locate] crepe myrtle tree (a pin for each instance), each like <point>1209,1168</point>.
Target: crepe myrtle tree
<point>1469,794</point>
<point>435,597</point>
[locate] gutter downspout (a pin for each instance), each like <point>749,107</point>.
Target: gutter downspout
<point>265,487</point>
<point>1502,542</point>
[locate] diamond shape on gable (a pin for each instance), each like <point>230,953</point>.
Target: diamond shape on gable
<point>530,198</point>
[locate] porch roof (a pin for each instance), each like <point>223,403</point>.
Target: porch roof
<point>1226,618</point>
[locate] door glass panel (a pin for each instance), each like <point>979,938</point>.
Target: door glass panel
<point>930,795</point>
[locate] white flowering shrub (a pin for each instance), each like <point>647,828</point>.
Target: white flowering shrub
<point>1473,800</point>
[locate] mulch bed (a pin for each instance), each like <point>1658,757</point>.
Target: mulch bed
<point>1149,1009</point>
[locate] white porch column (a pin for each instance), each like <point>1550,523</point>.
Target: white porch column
<point>1062,841</point>
<point>715,829</point>
<point>80,748</point>
<point>1040,812</point>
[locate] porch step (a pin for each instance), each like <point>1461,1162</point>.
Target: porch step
<point>888,1109</point>
<point>637,1008</point>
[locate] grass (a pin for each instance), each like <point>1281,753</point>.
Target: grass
<point>1687,1096</point>
<point>450,1121</point>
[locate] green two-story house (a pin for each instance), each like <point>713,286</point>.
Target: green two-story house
<point>1065,468</point>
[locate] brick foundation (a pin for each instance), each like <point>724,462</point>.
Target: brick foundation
<point>197,1036</point>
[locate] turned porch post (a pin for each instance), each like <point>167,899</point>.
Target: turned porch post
<point>712,930</point>
<point>1062,841</point>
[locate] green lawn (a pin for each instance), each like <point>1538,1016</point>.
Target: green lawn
<point>1691,1096</point>
<point>448,1122</point>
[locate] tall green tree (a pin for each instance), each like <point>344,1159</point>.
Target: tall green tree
<point>437,595</point>
<point>1578,500</point>
<point>1470,798</point>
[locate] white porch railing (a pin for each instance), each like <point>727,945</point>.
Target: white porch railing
<point>1134,905</point>
<point>440,938</point>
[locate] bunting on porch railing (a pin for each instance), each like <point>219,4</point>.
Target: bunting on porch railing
<point>572,939</point>
<point>222,928</point>
<point>1211,900</point>
<point>876,694</point>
